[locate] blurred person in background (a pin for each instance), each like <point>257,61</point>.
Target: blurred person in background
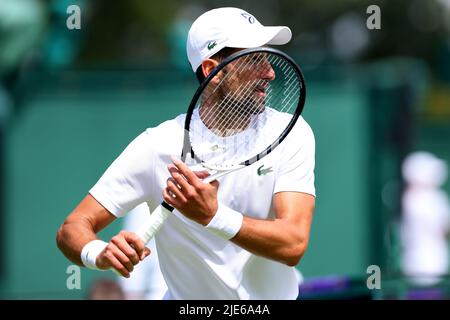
<point>146,282</point>
<point>22,23</point>
<point>105,289</point>
<point>425,219</point>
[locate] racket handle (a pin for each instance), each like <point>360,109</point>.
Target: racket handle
<point>154,223</point>
<point>209,179</point>
<point>222,173</point>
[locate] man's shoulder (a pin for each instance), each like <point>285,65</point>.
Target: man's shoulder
<point>166,136</point>
<point>302,131</point>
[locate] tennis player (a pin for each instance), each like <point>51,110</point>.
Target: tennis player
<point>239,239</point>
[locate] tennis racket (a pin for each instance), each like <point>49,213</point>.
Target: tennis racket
<point>239,114</point>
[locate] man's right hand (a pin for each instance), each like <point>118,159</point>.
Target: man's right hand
<point>122,253</point>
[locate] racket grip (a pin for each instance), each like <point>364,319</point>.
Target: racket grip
<point>209,179</point>
<point>154,223</point>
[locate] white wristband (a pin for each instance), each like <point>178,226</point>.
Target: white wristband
<point>90,252</point>
<point>226,223</point>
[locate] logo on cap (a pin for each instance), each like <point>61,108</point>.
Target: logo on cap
<point>249,17</point>
<point>211,45</point>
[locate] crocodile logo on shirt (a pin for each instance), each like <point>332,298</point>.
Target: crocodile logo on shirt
<point>261,171</point>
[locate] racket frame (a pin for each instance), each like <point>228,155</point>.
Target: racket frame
<point>187,148</point>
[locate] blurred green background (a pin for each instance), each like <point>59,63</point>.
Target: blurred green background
<point>71,100</point>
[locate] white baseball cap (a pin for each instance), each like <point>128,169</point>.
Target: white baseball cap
<point>229,27</point>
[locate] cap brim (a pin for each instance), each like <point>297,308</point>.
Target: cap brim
<point>282,35</point>
<point>266,35</point>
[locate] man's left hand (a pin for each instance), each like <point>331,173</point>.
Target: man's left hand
<point>187,193</point>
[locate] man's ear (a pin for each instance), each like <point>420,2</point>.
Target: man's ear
<point>208,65</point>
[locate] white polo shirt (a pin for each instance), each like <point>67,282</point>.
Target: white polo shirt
<point>197,264</point>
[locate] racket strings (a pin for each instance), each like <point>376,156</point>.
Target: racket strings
<point>268,92</point>
<point>227,124</point>
<point>238,69</point>
<point>291,80</point>
<point>269,95</point>
<point>237,114</point>
<point>227,103</point>
<point>240,110</point>
<point>266,101</point>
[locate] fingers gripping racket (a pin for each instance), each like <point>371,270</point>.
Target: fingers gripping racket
<point>240,113</point>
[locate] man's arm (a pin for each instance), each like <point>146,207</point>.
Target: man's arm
<point>123,251</point>
<point>284,239</point>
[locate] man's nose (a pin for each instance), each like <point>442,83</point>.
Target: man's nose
<point>267,72</point>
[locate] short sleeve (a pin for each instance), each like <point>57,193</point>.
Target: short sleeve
<point>296,167</point>
<point>129,179</point>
